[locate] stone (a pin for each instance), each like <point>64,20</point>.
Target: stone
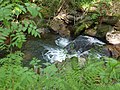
<point>90,32</point>
<point>115,8</point>
<point>117,26</point>
<point>81,27</point>
<point>110,20</point>
<point>102,30</point>
<point>114,50</point>
<point>59,26</point>
<point>113,37</point>
<point>82,43</point>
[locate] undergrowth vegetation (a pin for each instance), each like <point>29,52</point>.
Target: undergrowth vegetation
<point>96,74</point>
<point>17,21</point>
<point>12,27</point>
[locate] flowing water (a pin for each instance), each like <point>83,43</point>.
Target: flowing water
<point>51,48</point>
<point>48,49</point>
<point>57,53</point>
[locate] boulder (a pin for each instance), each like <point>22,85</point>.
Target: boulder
<point>99,31</point>
<point>102,30</point>
<point>117,26</point>
<point>59,26</point>
<point>90,32</point>
<point>114,50</point>
<point>110,20</point>
<point>80,27</point>
<point>113,37</point>
<point>82,43</point>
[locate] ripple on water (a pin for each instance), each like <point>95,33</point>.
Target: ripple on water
<point>54,54</point>
<point>62,42</point>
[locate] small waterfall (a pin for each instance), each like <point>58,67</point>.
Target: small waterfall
<point>93,40</point>
<point>53,54</point>
<point>62,42</point>
<point>55,48</point>
<point>81,48</point>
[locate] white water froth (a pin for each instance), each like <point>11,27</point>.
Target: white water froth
<point>53,54</point>
<point>56,54</point>
<point>94,40</point>
<point>62,42</point>
<point>59,54</point>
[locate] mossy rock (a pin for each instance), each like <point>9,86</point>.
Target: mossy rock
<point>102,30</point>
<point>80,28</point>
<point>90,32</point>
<point>110,20</point>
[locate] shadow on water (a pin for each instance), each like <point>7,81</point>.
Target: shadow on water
<point>36,47</point>
<point>53,48</point>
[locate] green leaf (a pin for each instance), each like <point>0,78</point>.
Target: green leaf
<point>31,25</point>
<point>19,44</point>
<point>26,23</point>
<point>29,30</point>
<point>17,11</point>
<point>40,15</point>
<point>5,34</point>
<point>33,32</point>
<point>2,41</point>
<point>32,9</point>
<point>3,38</point>
<point>20,26</point>
<point>14,38</point>
<point>14,25</point>
<point>22,7</point>
<point>6,23</point>
<point>24,29</point>
<point>1,1</point>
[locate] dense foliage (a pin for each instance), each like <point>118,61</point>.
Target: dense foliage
<point>97,74</point>
<point>17,21</point>
<point>12,28</point>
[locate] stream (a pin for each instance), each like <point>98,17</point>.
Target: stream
<point>54,48</point>
<point>48,49</point>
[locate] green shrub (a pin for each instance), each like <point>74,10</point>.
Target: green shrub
<point>96,74</point>
<point>12,28</point>
<point>15,77</point>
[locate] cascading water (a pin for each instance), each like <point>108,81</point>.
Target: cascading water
<point>56,54</point>
<point>82,43</point>
<point>62,42</point>
<point>55,48</point>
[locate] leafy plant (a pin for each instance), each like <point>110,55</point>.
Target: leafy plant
<point>50,7</point>
<point>15,77</point>
<point>13,29</point>
<point>16,33</point>
<point>96,74</point>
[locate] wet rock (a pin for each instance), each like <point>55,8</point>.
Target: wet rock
<point>100,51</point>
<point>99,31</point>
<point>82,43</point>
<point>85,46</point>
<point>43,32</point>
